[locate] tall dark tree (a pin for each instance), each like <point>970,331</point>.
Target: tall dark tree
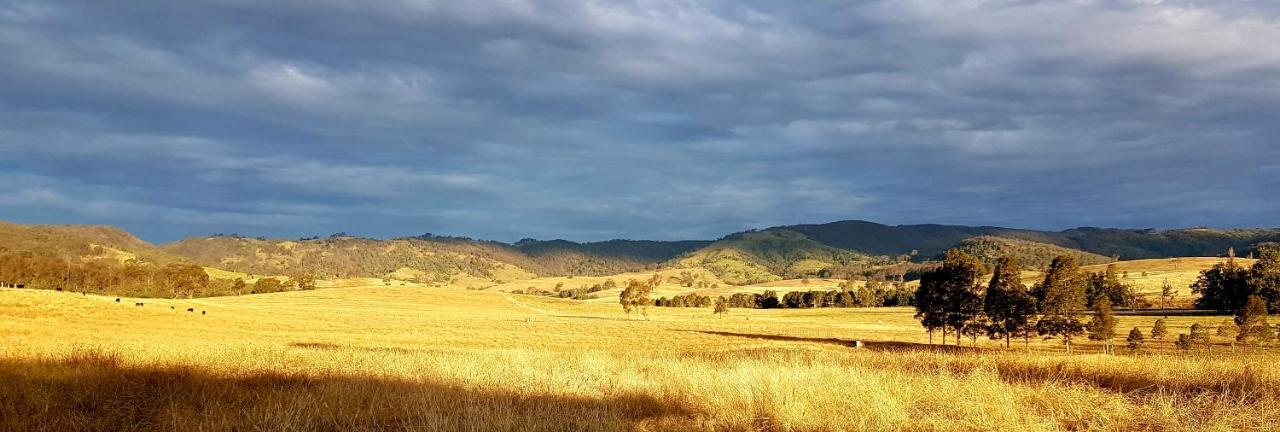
<point>950,296</point>
<point>1008,305</point>
<point>1224,288</point>
<point>1264,277</point>
<point>930,303</point>
<point>1062,301</point>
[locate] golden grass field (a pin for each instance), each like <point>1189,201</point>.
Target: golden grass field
<point>418,358</point>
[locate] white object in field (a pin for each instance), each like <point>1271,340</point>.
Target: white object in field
<point>857,344</point>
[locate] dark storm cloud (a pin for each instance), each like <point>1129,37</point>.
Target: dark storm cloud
<point>650,119</point>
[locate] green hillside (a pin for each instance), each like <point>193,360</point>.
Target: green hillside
<point>754,257</point>
<point>1030,255</point>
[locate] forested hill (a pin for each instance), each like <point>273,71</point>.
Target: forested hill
<point>930,240</point>
<point>85,242</point>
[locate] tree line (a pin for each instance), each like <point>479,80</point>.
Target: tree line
<point>954,298</point>
<point>131,278</point>
<point>871,295</point>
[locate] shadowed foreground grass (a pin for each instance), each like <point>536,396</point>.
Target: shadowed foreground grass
<point>449,360</point>
<point>93,391</point>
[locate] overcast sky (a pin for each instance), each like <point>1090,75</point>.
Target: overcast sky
<point>651,119</point>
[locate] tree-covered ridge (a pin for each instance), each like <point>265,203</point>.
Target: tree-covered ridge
<point>932,240</point>
<point>1030,255</point>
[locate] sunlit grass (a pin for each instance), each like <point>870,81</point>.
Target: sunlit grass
<point>379,358</point>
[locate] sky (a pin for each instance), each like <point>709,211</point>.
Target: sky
<point>645,120</point>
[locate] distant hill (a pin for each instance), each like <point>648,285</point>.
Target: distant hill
<point>83,242</point>
<point>1030,255</point>
<point>563,257</point>
<point>930,240</point>
<point>876,239</point>
<point>837,249</point>
<point>428,259</point>
<point>754,257</point>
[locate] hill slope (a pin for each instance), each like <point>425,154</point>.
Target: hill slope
<point>754,257</point>
<point>1030,255</point>
<point>930,240</point>
<point>81,242</point>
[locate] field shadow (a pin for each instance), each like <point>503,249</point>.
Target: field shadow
<point>324,346</point>
<point>850,343</point>
<point>597,318</point>
<point>98,392</point>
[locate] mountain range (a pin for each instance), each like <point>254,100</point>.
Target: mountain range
<point>836,249</point>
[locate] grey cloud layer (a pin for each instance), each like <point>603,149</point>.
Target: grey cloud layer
<point>652,119</point>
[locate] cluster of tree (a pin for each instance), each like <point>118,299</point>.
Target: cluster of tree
<point>954,299</point>
<point>635,297</point>
<point>581,293</point>
<point>687,300</point>
<point>870,295</point>
<point>1228,286</point>
<point>130,278</point>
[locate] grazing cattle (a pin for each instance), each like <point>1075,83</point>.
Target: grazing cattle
<point>171,307</point>
<point>117,299</point>
<point>138,304</point>
<point>191,309</point>
<point>201,312</point>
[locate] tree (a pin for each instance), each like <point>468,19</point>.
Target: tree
<point>1159,330</point>
<point>1184,342</point>
<point>1135,339</point>
<point>1200,337</point>
<point>1229,330</point>
<point>1264,277</point>
<point>184,280</point>
<point>267,285</point>
<point>1008,304</point>
<point>305,281</point>
<point>239,286</point>
<point>1254,328</point>
<point>722,306</point>
<point>1062,300</point>
<point>1108,285</point>
<point>635,297</point>
<point>1103,326</point>
<point>952,296</point>
<point>1223,288</point>
<point>1166,294</point>
<point>930,301</point>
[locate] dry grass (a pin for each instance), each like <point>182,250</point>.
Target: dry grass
<point>405,358</point>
